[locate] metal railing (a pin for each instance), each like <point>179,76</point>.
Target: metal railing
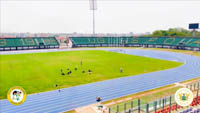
<point>138,105</point>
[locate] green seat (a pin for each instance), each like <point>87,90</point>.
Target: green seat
<point>174,41</point>
<point>26,42</point>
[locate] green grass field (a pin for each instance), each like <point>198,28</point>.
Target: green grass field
<point>38,72</point>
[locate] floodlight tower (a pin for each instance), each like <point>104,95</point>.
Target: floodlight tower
<point>93,7</point>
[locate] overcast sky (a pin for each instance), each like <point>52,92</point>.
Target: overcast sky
<point>113,16</point>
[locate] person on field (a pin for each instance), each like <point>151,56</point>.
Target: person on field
<point>98,98</point>
<point>83,71</point>
<point>81,63</point>
<point>69,72</point>
<point>89,71</point>
<point>62,73</point>
<point>121,70</point>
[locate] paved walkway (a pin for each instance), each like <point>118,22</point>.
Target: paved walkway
<point>70,98</point>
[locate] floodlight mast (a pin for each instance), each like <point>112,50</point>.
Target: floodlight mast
<point>93,23</point>
<point>193,33</point>
<point>93,7</point>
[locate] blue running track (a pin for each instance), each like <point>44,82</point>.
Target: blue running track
<point>70,98</point>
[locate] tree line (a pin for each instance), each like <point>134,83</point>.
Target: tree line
<point>178,32</point>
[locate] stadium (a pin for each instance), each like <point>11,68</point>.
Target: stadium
<point>115,68</point>
<point>50,62</point>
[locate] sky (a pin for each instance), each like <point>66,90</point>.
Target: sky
<point>112,16</point>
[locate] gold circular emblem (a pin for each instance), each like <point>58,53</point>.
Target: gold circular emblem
<point>16,95</point>
<point>184,97</point>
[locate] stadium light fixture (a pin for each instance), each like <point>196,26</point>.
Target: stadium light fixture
<point>93,7</point>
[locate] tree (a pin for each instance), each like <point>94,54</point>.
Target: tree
<point>178,32</point>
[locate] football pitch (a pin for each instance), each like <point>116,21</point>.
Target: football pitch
<point>38,72</point>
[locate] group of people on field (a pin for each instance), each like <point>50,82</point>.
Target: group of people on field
<point>69,71</point>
